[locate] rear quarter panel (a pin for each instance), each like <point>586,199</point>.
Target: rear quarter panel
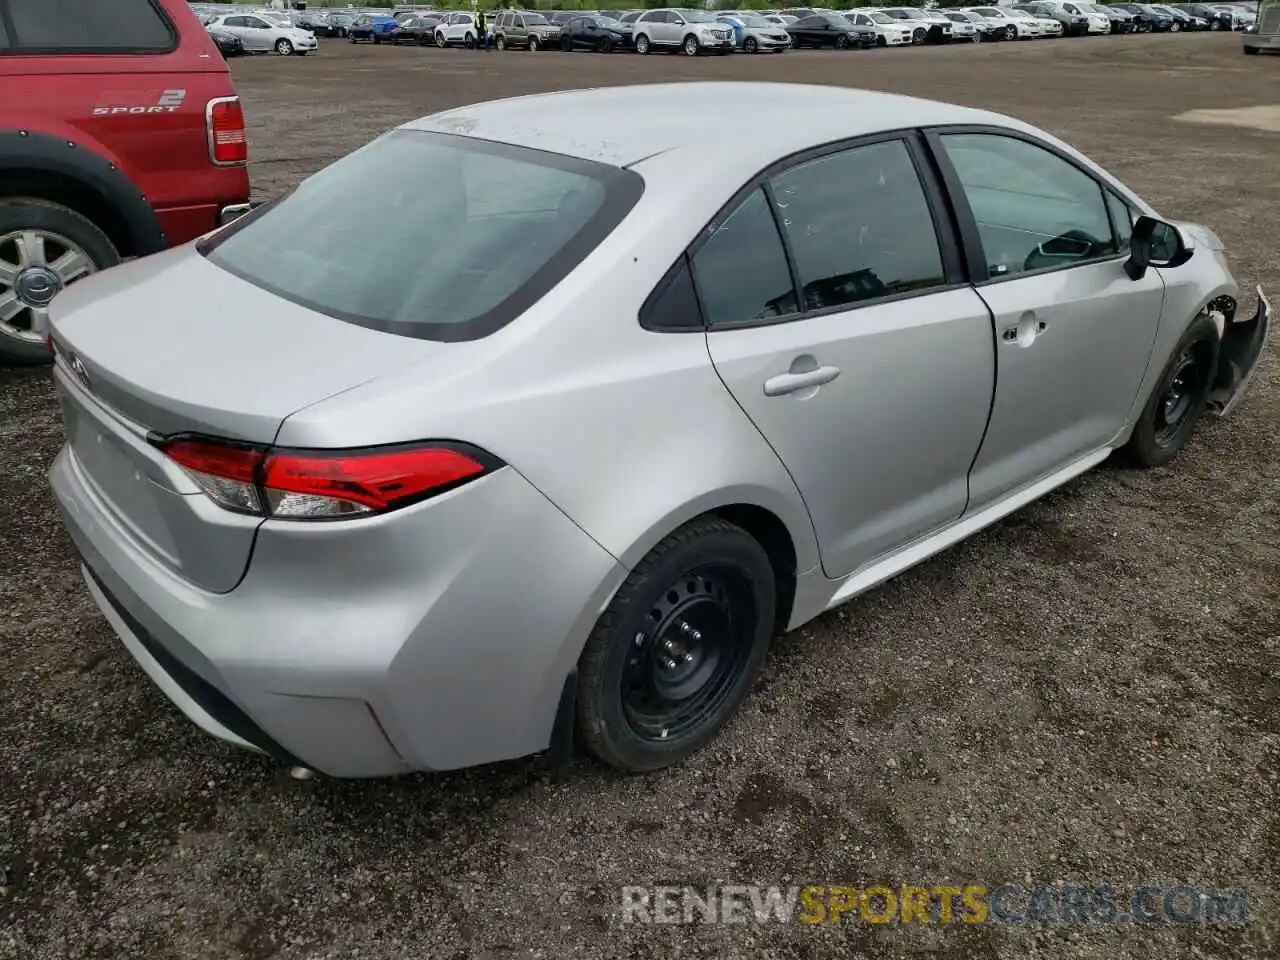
<point>631,433</point>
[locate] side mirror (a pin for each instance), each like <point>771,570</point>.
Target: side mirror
<point>1155,243</point>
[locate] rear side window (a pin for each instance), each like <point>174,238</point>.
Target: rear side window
<point>87,26</point>
<point>741,268</point>
<point>429,235</point>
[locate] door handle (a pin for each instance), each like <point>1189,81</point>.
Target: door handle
<point>786,383</point>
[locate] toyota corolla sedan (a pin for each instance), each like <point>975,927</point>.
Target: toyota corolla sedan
<point>544,442</point>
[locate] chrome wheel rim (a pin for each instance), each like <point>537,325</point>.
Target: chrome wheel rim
<point>35,265</point>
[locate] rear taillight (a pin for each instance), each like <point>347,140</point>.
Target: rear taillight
<point>323,484</point>
<point>228,145</point>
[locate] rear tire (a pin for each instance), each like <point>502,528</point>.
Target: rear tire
<point>500,44</point>
<point>1169,417</point>
<point>677,649</point>
<point>1011,32</point>
<point>55,222</point>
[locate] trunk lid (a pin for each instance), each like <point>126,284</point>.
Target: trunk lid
<point>172,344</point>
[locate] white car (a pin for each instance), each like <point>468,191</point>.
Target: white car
<point>458,28</point>
<point>889,32</point>
<point>1017,25</point>
<point>260,35</point>
<point>963,30</point>
<point>937,27</point>
<point>1098,22</point>
<point>1048,26</point>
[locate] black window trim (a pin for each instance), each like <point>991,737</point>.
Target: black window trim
<point>976,261</point>
<point>16,49</point>
<point>940,212</point>
<point>623,189</point>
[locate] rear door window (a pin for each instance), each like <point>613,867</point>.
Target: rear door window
<point>429,235</point>
<point>87,26</point>
<point>859,225</point>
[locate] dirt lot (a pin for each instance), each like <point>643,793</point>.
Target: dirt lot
<point>1088,693</point>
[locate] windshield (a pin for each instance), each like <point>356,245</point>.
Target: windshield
<point>912,13</point>
<point>752,20</point>
<point>457,237</point>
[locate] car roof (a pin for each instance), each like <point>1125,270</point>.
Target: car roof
<point>624,125</point>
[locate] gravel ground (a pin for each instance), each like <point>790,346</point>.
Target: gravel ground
<point>1088,692</point>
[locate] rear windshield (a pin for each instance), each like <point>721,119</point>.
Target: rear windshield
<point>429,235</point>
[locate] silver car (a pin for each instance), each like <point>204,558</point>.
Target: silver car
<point>690,31</point>
<point>545,439</point>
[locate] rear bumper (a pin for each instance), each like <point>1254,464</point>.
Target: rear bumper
<point>433,638</point>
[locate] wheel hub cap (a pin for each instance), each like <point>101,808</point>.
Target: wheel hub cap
<point>37,286</point>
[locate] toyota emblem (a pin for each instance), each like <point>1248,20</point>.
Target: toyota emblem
<point>80,370</point>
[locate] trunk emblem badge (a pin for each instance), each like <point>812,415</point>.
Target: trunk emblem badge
<point>80,370</point>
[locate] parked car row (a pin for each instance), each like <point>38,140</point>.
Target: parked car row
<point>696,31</point>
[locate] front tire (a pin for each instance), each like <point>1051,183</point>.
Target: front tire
<point>1169,417</point>
<point>566,45</point>
<point>1175,27</point>
<point>750,45</point>
<point>643,46</point>
<point>842,42</point>
<point>533,44</point>
<point>500,44</point>
<point>44,247</point>
<point>678,647</point>
<point>284,47</point>
<point>690,46</point>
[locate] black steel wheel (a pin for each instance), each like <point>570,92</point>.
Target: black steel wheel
<point>677,649</point>
<point>1169,417</point>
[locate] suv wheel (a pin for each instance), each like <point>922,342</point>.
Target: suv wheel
<point>43,248</point>
<point>284,47</point>
<point>690,46</point>
<point>642,44</point>
<point>678,647</point>
<point>533,44</point>
<point>500,42</point>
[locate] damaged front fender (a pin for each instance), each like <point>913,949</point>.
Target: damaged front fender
<point>1238,356</point>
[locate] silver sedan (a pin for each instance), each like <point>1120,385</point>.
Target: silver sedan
<point>545,440</point>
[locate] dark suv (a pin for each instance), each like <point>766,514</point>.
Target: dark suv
<point>120,135</point>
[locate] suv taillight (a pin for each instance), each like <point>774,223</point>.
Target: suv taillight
<point>228,145</point>
<point>324,484</point>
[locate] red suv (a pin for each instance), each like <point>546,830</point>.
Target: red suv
<point>120,135</point>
